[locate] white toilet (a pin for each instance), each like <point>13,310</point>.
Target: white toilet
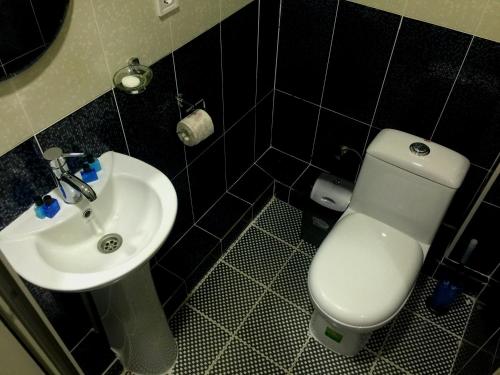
<point>366,267</point>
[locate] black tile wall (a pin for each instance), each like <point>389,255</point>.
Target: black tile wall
<point>483,227</point>
<point>184,258</point>
<point>184,219</point>
<point>294,125</point>
<point>146,123</point>
<point>282,167</point>
<point>150,121</point>
<point>304,42</point>
<point>251,186</point>
<point>463,197</point>
<point>207,178</point>
<point>423,68</point>
<point>239,59</point>
<point>94,129</point>
<point>199,76</point>
<point>493,195</point>
<point>361,48</point>
<point>263,124</point>
<point>240,147</point>
<point>470,121</point>
<point>23,174</point>
<point>268,38</point>
<point>334,131</point>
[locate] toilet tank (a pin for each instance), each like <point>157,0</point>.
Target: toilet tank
<point>400,185</point>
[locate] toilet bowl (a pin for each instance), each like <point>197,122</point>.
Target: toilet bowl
<point>366,267</point>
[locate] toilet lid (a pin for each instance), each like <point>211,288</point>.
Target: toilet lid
<point>363,271</point>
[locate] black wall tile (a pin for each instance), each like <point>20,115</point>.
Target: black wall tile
<point>252,184</point>
<point>224,215</point>
<point>493,195</point>
<point>333,131</point>
<point>95,128</point>
<point>470,121</point>
<point>150,121</point>
<point>463,197</point>
<point>281,191</point>
<point>262,200</point>
<point>206,178</point>
<point>93,354</point>
<point>442,239</point>
<point>294,125</point>
<point>198,68</point>
<point>23,174</point>
<point>240,147</point>
<point>263,125</point>
<point>304,41</point>
<point>65,311</point>
<point>239,62</point>
<point>268,38</point>
<point>362,45</point>
<point>185,257</point>
<point>305,183</point>
<point>424,65</point>
<point>483,227</point>
<point>282,167</point>
<point>184,219</point>
<point>166,283</point>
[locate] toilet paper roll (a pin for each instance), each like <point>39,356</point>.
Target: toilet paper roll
<point>195,128</point>
<point>332,192</point>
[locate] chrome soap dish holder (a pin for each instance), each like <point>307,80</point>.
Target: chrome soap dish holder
<point>134,78</point>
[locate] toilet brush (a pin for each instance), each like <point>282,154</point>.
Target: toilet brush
<point>447,291</point>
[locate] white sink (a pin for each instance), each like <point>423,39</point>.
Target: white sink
<point>134,200</point>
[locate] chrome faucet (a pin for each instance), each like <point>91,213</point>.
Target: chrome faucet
<point>71,187</point>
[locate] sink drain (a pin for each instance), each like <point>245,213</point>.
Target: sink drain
<point>109,243</point>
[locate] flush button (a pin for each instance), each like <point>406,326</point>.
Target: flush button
<point>420,149</point>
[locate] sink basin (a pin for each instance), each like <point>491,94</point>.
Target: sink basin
<point>135,203</point>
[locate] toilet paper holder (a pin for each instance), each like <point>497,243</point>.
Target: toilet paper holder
<point>188,107</point>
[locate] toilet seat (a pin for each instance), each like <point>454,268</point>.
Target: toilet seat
<point>363,272</point>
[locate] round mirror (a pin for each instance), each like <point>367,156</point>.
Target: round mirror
<point>27,28</point>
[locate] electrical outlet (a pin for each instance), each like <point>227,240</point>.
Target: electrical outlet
<point>166,6</point>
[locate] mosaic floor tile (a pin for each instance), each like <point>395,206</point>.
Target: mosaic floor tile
<point>308,248</point>
<point>198,339</point>
<point>419,346</point>
<point>454,321</point>
<point>282,220</point>
<point>238,358</point>
<point>316,359</point>
<point>378,337</point>
<point>385,368</point>
<point>277,329</point>
<point>259,255</point>
<point>226,296</point>
<point>292,281</point>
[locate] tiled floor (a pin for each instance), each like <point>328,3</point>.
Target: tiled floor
<point>250,315</point>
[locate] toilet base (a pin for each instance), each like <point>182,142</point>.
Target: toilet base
<point>337,338</point>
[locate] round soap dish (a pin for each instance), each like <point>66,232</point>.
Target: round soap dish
<point>134,78</point>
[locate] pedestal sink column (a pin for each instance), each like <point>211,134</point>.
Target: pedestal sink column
<point>136,325</point>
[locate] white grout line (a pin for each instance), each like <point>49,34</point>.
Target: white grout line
<point>383,82</point>
<point>81,340</point>
<point>452,88</point>
<point>345,116</point>
<point>110,365</point>
<point>476,352</point>
<point>206,231</point>
<point>256,80</point>
<point>241,199</point>
<point>276,70</point>
<point>327,68</point>
<point>252,309</point>
<point>298,98</point>
<point>431,322</point>
<point>299,354</point>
